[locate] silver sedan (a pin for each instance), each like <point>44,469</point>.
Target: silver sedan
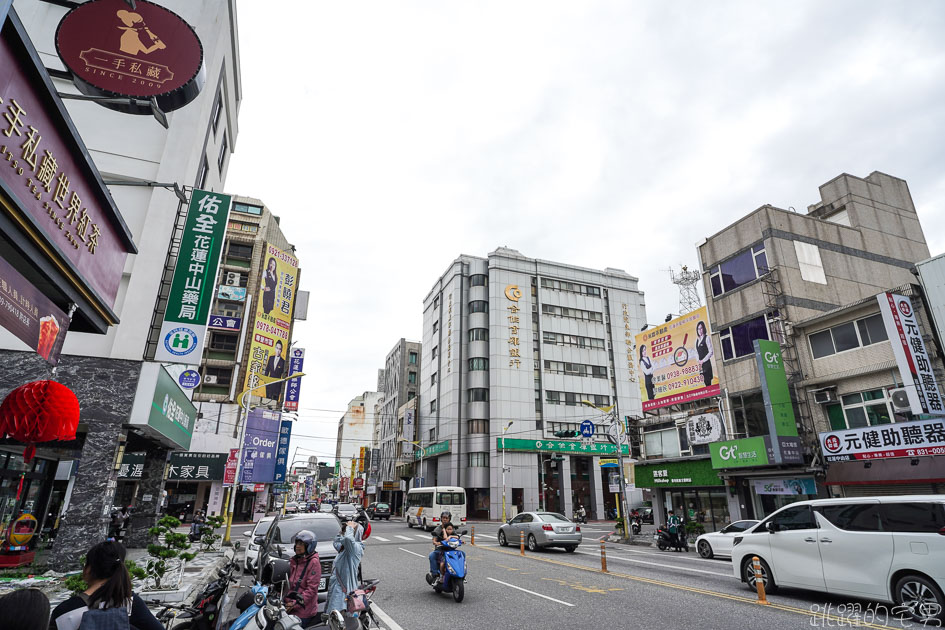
<point>541,529</point>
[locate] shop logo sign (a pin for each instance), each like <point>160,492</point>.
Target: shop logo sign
<point>180,341</point>
<point>729,452</point>
<point>513,293</point>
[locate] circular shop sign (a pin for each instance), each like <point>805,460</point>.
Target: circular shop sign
<point>180,341</point>
<point>189,379</point>
<point>148,52</point>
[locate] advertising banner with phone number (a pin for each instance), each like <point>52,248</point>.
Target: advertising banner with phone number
<point>677,361</point>
<point>902,439</point>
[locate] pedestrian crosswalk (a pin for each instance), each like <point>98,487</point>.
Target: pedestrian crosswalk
<point>404,537</point>
<point>382,539</point>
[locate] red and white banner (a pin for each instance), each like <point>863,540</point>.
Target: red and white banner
<point>902,327</point>
<point>229,473</point>
<point>902,439</point>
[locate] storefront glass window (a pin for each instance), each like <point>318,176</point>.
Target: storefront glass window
<point>708,508</point>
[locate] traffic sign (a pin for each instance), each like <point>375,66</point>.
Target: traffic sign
<point>585,441</point>
<point>587,429</point>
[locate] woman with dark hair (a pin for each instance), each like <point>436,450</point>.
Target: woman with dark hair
<point>270,281</point>
<point>646,366</point>
<point>26,609</point>
<point>704,348</point>
<point>109,587</point>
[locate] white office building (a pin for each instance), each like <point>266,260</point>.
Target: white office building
<point>509,339</point>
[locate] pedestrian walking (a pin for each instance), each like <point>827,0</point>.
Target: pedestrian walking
<point>25,609</point>
<point>108,600</point>
<point>674,524</point>
<point>344,572</point>
<point>119,523</point>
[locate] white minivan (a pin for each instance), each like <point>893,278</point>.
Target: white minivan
<point>889,548</point>
<point>424,506</point>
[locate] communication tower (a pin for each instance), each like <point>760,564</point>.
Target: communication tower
<point>687,281</point>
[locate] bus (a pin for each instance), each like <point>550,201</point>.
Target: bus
<point>424,506</point>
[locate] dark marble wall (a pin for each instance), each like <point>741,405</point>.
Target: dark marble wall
<point>105,389</point>
<point>148,500</point>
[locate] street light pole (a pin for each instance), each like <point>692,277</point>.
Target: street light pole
<point>503,468</point>
<point>611,412</point>
<point>239,454</point>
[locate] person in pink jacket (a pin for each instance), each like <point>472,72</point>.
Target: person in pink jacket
<point>305,572</point>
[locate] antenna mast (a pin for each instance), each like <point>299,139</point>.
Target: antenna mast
<point>687,281</point>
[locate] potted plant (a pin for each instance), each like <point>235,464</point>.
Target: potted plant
<point>168,553</point>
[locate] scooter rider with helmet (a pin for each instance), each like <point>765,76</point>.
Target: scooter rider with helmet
<point>305,572</point>
<point>436,556</point>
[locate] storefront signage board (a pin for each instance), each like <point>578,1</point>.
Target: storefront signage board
<point>558,446</point>
<point>901,439</point>
<point>692,473</point>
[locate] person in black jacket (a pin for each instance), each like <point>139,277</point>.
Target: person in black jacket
<point>270,284</point>
<point>275,368</point>
<point>109,587</point>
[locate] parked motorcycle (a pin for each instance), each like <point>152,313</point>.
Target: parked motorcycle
<point>196,532</point>
<point>454,578</point>
<point>664,540</point>
<point>205,611</point>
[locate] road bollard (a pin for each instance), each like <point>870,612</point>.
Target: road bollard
<point>472,538</point>
<point>521,543</point>
<point>603,557</point>
<point>759,582</point>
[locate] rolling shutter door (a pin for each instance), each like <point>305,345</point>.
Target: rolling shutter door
<point>888,490</point>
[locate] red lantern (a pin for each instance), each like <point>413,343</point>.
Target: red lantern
<point>40,411</point>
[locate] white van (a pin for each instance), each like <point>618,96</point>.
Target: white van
<point>884,548</point>
<point>424,506</point>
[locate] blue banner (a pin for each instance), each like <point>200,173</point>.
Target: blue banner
<point>282,450</point>
<point>296,358</point>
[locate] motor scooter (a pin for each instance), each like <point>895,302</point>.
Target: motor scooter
<point>580,516</point>
<point>664,540</point>
<point>205,611</point>
<point>453,579</point>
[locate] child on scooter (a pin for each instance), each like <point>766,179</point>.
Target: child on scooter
<point>448,532</point>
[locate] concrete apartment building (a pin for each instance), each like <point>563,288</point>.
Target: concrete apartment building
<point>401,384</point>
<point>355,431</point>
<point>131,152</point>
<point>509,339</point>
<point>250,227</point>
<point>777,274</point>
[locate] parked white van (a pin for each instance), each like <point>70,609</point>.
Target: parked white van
<point>885,548</point>
<point>424,506</point>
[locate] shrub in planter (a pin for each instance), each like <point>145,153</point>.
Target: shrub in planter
<point>168,545</point>
<point>210,537</point>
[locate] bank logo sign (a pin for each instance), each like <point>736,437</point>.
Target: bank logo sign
<point>184,327</point>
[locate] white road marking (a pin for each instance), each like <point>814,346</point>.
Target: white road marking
<point>610,556</point>
<point>382,539</point>
<point>390,623</point>
<point>519,588</point>
<point>404,537</point>
<point>411,552</point>
<point>674,555</point>
<point>421,537</point>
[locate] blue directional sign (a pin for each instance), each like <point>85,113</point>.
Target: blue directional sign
<point>587,429</point>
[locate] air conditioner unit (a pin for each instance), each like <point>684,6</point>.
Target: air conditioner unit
<point>824,396</point>
<point>210,379</point>
<point>232,279</point>
<point>900,400</point>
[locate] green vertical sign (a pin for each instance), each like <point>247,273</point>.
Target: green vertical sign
<point>195,276</point>
<point>172,414</point>
<point>777,396</point>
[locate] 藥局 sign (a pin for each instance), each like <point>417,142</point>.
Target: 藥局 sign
<point>188,305</point>
<point>273,322</point>
<point>901,439</point>
<point>902,328</point>
<point>676,361</point>
<point>259,446</point>
<point>785,486</point>
<point>30,315</point>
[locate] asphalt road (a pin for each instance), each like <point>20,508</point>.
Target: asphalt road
<point>555,589</point>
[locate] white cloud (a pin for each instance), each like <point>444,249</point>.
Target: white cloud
<point>392,137</point>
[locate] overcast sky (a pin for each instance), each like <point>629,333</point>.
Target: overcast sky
<point>393,136</point>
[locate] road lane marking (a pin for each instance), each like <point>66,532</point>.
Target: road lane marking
<point>611,556</point>
<point>411,553</point>
<point>390,623</point>
<point>677,557</point>
<point>404,537</point>
<point>422,537</point>
<point>525,590</point>
<point>382,539</point>
<point>680,587</point>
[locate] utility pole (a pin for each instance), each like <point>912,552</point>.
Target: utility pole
<point>503,468</point>
<point>617,434</point>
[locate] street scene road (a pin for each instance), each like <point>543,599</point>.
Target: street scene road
<point>556,589</point>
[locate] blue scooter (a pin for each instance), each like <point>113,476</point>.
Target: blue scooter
<point>454,579</point>
<point>250,604</point>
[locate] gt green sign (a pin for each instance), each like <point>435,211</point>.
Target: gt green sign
<point>434,449</point>
<point>774,388</point>
<point>556,446</point>
<point>742,453</point>
<point>682,474</point>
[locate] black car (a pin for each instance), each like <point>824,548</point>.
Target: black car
<point>278,546</point>
<point>379,510</point>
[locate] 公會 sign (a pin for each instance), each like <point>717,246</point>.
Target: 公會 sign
<point>902,439</point>
<point>902,327</point>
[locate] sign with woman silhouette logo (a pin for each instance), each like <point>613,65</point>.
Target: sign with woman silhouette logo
<point>148,52</point>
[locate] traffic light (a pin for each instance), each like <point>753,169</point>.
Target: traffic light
<point>567,434</point>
